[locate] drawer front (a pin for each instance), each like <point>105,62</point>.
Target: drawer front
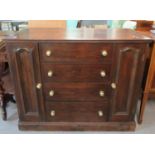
<point>75,73</point>
<point>76,52</point>
<point>76,112</point>
<point>76,91</point>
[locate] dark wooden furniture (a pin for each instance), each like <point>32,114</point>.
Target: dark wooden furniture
<point>2,90</point>
<point>149,88</point>
<point>83,79</point>
<point>5,96</point>
<point>144,25</point>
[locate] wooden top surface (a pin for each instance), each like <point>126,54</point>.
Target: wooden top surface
<point>5,35</point>
<point>79,34</point>
<point>148,34</point>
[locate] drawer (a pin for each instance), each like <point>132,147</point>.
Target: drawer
<point>76,52</point>
<point>76,91</point>
<point>75,73</point>
<point>76,111</point>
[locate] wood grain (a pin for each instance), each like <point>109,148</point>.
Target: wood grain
<point>75,52</point>
<point>76,72</point>
<point>58,34</point>
<point>76,62</point>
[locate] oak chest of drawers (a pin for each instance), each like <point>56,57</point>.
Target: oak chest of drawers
<point>77,80</point>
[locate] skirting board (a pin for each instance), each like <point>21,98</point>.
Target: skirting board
<point>78,126</point>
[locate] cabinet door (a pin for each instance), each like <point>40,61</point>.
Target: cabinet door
<point>24,65</point>
<point>128,68</point>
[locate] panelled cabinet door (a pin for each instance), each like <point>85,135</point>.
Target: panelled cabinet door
<point>128,69</point>
<point>24,60</point>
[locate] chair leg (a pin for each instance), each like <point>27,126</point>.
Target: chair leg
<point>142,107</point>
<point>4,113</point>
<point>2,108</point>
<point>2,102</point>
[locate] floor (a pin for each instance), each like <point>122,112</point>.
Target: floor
<point>11,125</point>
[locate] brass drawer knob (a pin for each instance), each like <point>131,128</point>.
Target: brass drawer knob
<point>103,73</point>
<point>51,93</point>
<point>104,53</point>
<point>50,73</point>
<point>38,86</point>
<point>113,85</point>
<point>101,93</point>
<point>100,113</point>
<point>48,53</point>
<point>52,113</point>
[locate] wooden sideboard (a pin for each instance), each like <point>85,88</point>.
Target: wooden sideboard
<point>82,79</point>
<point>149,86</point>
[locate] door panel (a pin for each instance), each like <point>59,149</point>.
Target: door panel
<point>127,76</point>
<point>25,70</point>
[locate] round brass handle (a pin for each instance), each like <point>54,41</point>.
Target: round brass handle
<point>104,53</point>
<point>113,85</point>
<point>38,86</point>
<point>51,93</point>
<point>50,73</point>
<point>103,73</point>
<point>52,113</point>
<point>48,53</point>
<point>100,113</point>
<point>101,92</point>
